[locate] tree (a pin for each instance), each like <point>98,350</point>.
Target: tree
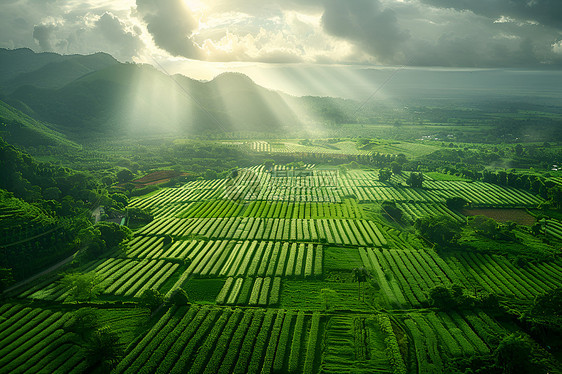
<point>167,239</point>
<point>52,193</point>
<point>441,297</point>
<point>440,230</point>
<point>484,226</point>
<point>415,180</point>
<point>456,203</point>
<point>396,167</point>
<point>82,286</point>
<point>513,354</point>
<point>179,297</point>
<point>139,215</point>
<point>549,303</point>
<point>385,175</point>
<point>113,234</point>
<point>519,150</point>
<point>125,175</point>
<point>83,322</point>
<point>103,349</point>
<point>151,299</point>
<point>360,275</point>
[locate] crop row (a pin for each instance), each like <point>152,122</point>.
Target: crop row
<point>440,335</point>
<point>485,194</point>
<point>212,340</point>
<point>260,146</point>
<point>124,277</point>
<point>554,228</point>
<point>34,340</point>
<point>325,192</point>
<point>191,191</point>
<point>392,193</point>
<point>497,275</point>
<point>252,259</point>
<point>335,231</point>
<point>355,344</point>
<point>392,348</point>
<point>413,211</point>
<point>263,209</point>
<point>406,276</point>
<point>250,291</point>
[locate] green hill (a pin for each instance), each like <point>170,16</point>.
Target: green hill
<point>57,74</point>
<point>19,128</point>
<point>135,99</point>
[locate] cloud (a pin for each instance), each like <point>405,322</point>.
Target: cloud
<point>455,33</point>
<point>45,36</point>
<point>546,12</point>
<point>367,24</point>
<point>172,25</point>
<point>557,47</point>
<point>115,32</point>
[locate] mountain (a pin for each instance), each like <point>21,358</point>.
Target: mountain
<point>57,74</point>
<point>138,99</point>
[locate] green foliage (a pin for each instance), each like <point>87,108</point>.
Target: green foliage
<point>139,215</point>
<point>415,180</point>
<point>125,175</point>
<point>113,234</point>
<point>179,297</point>
<point>83,322</point>
<point>549,303</point>
<point>151,299</point>
<point>102,349</point>
<point>456,203</point>
<point>390,208</point>
<point>396,167</point>
<point>392,348</point>
<point>385,175</point>
<point>441,297</point>
<point>513,354</point>
<point>82,286</point>
<point>440,230</point>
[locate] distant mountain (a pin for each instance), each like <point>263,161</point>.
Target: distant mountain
<point>138,99</point>
<point>96,96</point>
<point>57,74</point>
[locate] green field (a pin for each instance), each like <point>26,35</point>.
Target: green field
<point>290,263</point>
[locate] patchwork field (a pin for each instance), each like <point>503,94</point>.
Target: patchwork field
<point>269,260</point>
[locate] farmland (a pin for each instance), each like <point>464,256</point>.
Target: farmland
<point>270,259</point>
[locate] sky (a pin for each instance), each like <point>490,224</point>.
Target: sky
<point>201,38</point>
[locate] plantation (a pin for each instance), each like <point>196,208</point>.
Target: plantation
<point>298,270</point>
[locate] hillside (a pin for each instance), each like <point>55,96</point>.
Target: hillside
<point>19,128</point>
<point>96,96</point>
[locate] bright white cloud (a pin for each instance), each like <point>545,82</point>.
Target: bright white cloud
<point>557,47</point>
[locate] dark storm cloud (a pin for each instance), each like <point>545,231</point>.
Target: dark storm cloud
<point>171,24</point>
<point>546,12</point>
<point>365,23</point>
